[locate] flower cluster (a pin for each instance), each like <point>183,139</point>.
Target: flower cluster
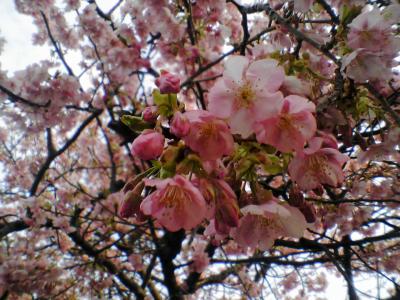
<point>374,45</point>
<point>245,104</point>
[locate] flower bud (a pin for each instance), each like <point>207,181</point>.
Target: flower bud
<point>131,202</point>
<point>168,83</point>
<point>180,125</point>
<point>308,210</point>
<point>150,114</point>
<point>148,145</point>
<point>226,217</point>
<point>296,197</point>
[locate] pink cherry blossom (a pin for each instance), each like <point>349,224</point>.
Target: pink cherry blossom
<point>168,83</point>
<point>208,136</point>
<point>179,125</point>
<point>372,32</point>
<point>262,224</point>
<point>148,145</point>
<point>317,165</point>
<point>374,46</point>
<point>176,204</point>
<point>136,261</point>
<point>289,126</point>
<point>200,257</point>
<point>245,92</point>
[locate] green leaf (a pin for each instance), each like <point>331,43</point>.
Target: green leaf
<point>135,123</point>
<point>245,168</point>
<point>348,14</point>
<point>273,166</point>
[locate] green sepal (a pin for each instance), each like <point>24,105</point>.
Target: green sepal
<point>191,164</point>
<point>166,103</point>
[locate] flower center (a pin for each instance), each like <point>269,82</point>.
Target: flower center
<point>366,35</point>
<point>285,122</point>
<point>268,223</point>
<point>208,130</point>
<point>173,197</point>
<point>316,162</point>
<point>245,95</point>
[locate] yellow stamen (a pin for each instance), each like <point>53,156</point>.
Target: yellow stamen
<point>245,95</point>
<point>173,197</point>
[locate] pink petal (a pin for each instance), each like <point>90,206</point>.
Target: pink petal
<point>241,123</point>
<point>298,104</point>
<point>252,210</point>
<point>306,124</point>
<point>313,145</point>
<point>266,105</point>
<point>234,70</point>
<point>296,223</point>
<point>265,73</point>
<point>220,99</point>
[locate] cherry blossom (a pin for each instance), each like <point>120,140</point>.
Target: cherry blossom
<point>289,124</point>
<point>222,203</point>
<point>205,129</point>
<point>262,224</point>
<point>245,91</point>
<point>303,5</point>
<point>371,32</point>
<point>180,149</point>
<point>150,114</point>
<point>176,204</point>
<point>317,165</point>
<point>180,125</point>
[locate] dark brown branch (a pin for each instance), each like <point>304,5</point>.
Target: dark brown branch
<point>16,98</point>
<point>386,106</point>
<point>329,10</point>
<point>111,268</point>
<point>53,155</point>
<point>351,291</point>
<point>11,227</point>
<point>246,34</point>
<point>56,46</point>
<point>282,21</point>
<point>204,68</point>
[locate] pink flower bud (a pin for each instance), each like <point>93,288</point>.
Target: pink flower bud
<point>150,114</point>
<point>296,197</point>
<point>168,83</point>
<point>180,125</point>
<point>148,145</point>
<point>308,210</point>
<point>131,203</point>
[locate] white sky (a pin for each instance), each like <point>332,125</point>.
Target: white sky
<point>19,52</point>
